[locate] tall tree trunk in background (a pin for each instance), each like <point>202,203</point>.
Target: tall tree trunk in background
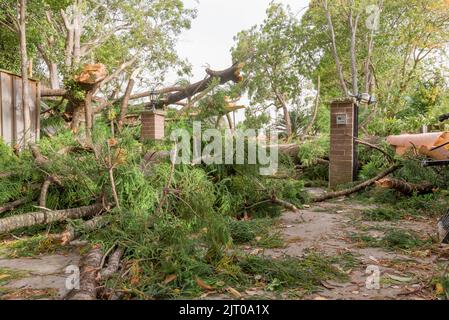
<point>125,101</point>
<point>51,66</point>
<point>368,74</point>
<point>24,71</point>
<point>77,31</point>
<point>315,108</point>
<point>54,80</point>
<point>334,49</point>
<point>88,116</point>
<point>288,121</point>
<point>353,24</point>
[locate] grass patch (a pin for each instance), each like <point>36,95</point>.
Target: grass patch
<point>7,275</point>
<point>258,232</point>
<point>31,247</point>
<point>382,214</point>
<point>427,205</point>
<point>242,271</point>
<point>393,240</point>
<point>306,273</point>
<point>404,239</point>
<point>29,294</point>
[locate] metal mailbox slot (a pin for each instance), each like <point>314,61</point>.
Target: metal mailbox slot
<point>341,119</point>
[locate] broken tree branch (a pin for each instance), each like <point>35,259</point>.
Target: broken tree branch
<point>113,264</point>
<point>44,190</point>
<point>45,217</point>
<point>405,187</point>
<point>370,145</point>
<point>224,76</point>
<point>41,161</point>
<point>71,233</point>
<point>356,188</point>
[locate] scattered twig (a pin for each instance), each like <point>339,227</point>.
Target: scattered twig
<point>370,145</point>
<point>44,189</point>
<point>111,177</point>
<point>113,264</point>
<point>103,260</point>
<point>169,181</point>
<point>14,204</point>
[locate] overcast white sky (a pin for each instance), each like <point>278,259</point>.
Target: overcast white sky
<point>211,36</point>
<point>210,39</point>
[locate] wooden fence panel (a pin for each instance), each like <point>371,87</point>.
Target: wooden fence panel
<point>7,108</point>
<point>12,124</point>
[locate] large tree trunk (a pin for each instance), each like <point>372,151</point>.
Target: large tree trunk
<point>54,80</point>
<point>405,187</point>
<point>315,108</point>
<point>77,32</point>
<point>45,217</point>
<point>24,71</point>
<point>286,114</point>
<point>353,24</point>
<point>90,265</point>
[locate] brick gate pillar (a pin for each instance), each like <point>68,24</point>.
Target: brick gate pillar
<point>343,158</point>
<point>153,124</point>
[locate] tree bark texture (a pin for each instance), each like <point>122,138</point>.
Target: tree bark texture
<point>45,217</point>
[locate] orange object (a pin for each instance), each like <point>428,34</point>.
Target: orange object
<point>423,143</point>
<point>92,74</point>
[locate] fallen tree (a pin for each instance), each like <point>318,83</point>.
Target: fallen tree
<point>405,187</point>
<point>174,94</point>
<point>45,217</point>
<point>230,74</point>
<point>356,188</point>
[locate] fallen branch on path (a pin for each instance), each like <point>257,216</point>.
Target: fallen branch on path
<point>274,200</point>
<point>287,205</point>
<point>356,188</point>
